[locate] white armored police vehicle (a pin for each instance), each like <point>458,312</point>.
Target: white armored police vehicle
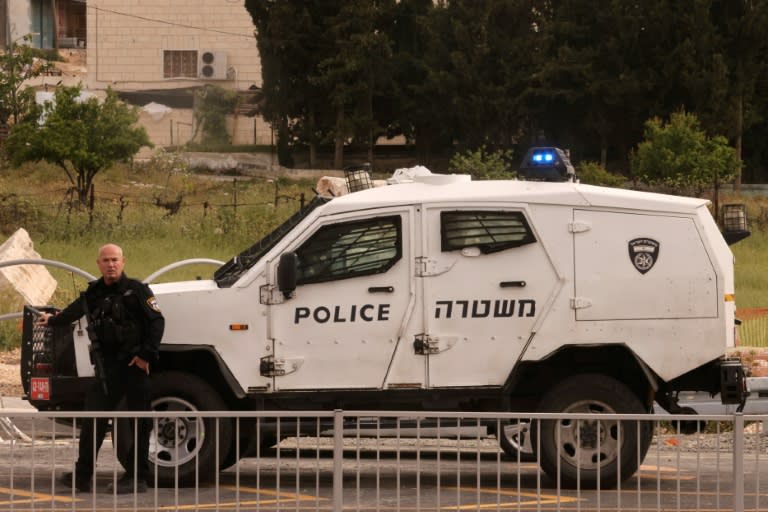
<point>443,293</point>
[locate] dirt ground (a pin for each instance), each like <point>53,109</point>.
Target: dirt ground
<point>10,379</point>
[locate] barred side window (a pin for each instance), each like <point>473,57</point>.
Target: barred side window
<point>490,231</point>
<point>179,63</point>
<point>350,249</point>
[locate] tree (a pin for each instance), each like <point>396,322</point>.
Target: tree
<point>456,75</point>
<point>290,41</point>
<point>212,104</point>
<point>82,136</point>
<point>355,73</point>
<point>17,65</point>
<point>325,71</point>
<point>707,57</point>
<point>408,108</point>
<point>590,84</point>
<point>742,26</point>
<point>679,154</point>
<point>478,58</point>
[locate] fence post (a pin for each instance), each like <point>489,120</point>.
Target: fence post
<point>738,462</point>
<point>338,460</point>
<point>234,198</point>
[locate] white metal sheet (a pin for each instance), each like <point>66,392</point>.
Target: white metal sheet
<point>634,266</point>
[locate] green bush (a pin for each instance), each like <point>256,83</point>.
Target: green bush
<point>680,155</point>
<point>483,164</point>
<point>592,173</point>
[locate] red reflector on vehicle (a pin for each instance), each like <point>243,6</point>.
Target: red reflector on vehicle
<point>43,368</point>
<point>39,388</point>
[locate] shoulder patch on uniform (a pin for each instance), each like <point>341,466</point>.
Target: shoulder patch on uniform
<point>152,303</point>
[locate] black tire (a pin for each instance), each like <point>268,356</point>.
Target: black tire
<point>515,440</point>
<point>250,445</point>
<point>576,453</point>
<point>182,448</point>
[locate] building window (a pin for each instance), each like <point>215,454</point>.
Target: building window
<point>350,249</point>
<point>179,63</point>
<point>488,230</point>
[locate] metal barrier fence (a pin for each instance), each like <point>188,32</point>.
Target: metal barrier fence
<point>390,461</point>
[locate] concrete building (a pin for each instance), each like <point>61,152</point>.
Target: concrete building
<point>156,53</point>
<point>50,23</point>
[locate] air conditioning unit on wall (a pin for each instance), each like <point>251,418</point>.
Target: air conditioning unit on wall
<point>211,65</point>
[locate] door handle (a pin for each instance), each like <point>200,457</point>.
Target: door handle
<point>381,289</point>
<point>512,284</point>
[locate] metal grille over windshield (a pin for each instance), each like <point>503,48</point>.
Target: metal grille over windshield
<point>350,249</point>
<point>226,275</point>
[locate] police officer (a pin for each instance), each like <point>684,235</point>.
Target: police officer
<point>128,325</point>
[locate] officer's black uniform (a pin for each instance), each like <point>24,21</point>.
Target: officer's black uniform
<point>128,323</point>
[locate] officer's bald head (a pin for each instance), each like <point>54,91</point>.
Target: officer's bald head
<point>110,262</point>
<point>112,248</point>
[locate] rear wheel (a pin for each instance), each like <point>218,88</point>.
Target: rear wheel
<point>591,452</point>
<point>182,447</point>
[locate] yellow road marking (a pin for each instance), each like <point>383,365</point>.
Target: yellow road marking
<point>229,504</point>
<point>34,496</point>
<point>654,472</point>
<point>535,499</point>
<point>280,497</point>
<point>256,490</point>
<point>662,469</point>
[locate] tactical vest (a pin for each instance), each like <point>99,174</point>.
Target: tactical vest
<point>116,323</point>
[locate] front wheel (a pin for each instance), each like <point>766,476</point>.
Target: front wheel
<point>591,452</point>
<point>181,449</point>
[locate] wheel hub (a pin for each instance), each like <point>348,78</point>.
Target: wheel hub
<point>589,443</point>
<point>589,434</point>
<point>171,431</point>
<point>175,440</point>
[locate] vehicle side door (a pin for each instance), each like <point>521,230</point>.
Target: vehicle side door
<point>488,282</point>
<point>354,295</point>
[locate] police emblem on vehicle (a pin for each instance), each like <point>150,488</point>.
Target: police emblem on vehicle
<point>643,253</point>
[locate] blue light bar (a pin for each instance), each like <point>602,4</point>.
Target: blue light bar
<point>546,164</point>
<point>543,157</point>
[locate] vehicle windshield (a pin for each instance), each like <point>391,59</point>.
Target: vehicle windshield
<point>226,275</point>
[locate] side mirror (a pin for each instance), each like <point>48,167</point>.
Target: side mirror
<point>734,221</point>
<point>287,270</point>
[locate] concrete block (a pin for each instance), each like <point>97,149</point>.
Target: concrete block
<point>331,186</point>
<point>24,284</point>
